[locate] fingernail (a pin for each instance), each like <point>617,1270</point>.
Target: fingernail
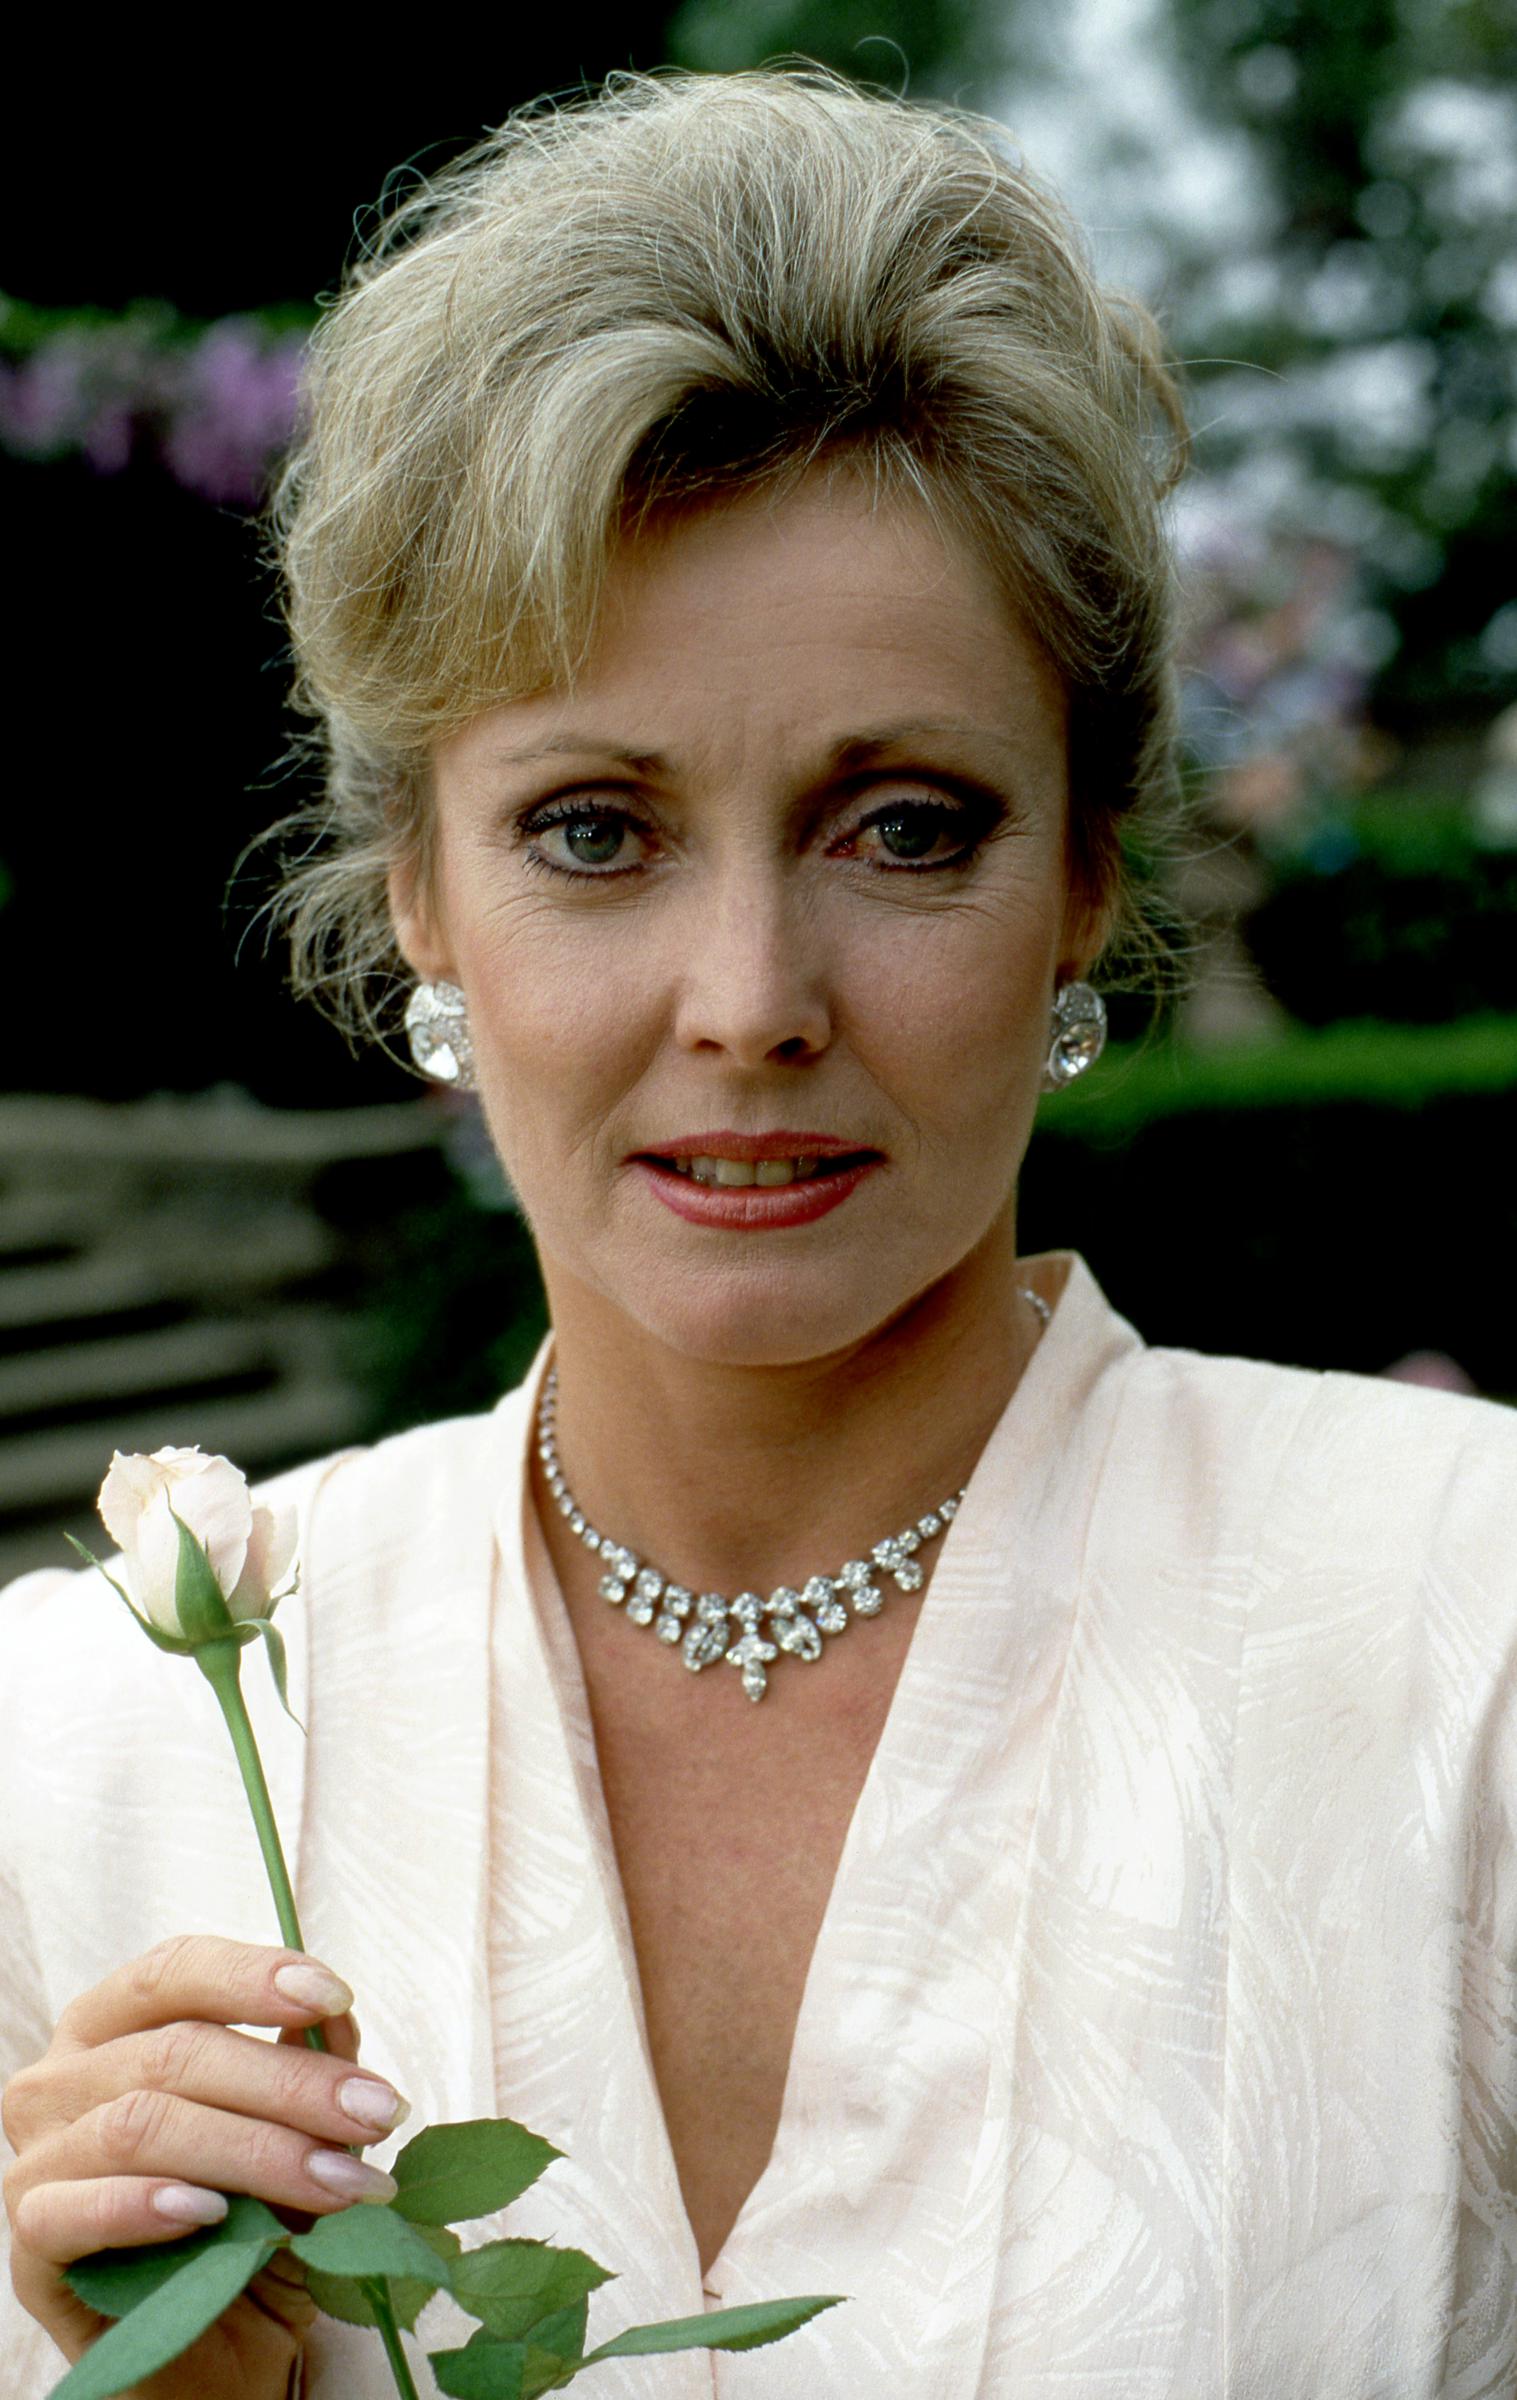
<point>369,2102</point>
<point>315,1988</point>
<point>183,2204</point>
<point>350,2178</point>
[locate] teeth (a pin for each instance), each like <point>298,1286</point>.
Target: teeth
<point>737,1173</point>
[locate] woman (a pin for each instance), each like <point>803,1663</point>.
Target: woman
<point>724,561</point>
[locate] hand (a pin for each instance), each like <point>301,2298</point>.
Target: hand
<point>147,2101</point>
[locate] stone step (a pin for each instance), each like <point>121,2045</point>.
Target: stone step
<point>164,1261</point>
<point>136,1366</point>
<point>209,1131</point>
<point>58,1469</point>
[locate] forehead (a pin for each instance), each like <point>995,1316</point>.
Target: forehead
<point>787,622</point>
<point>824,570</point>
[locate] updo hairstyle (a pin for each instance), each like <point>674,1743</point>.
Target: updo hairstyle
<point>682,287</point>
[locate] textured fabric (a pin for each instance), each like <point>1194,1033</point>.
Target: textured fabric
<point>1161,2033</point>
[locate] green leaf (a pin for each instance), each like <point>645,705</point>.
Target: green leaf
<point>168,2321</point>
<point>489,2370</point>
<point>275,1640</point>
<point>203,1613</point>
<point>344,2297</point>
<point>483,2370</point>
<point>116,2281</point>
<point>467,2170</point>
<point>724,2329</point>
<point>370,2241</point>
<point>512,2286</point>
<point>165,1641</point>
<point>546,2371</point>
<point>440,2238</point>
<point>563,2334</point>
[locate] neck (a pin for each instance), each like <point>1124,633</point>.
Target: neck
<point>729,1476</point>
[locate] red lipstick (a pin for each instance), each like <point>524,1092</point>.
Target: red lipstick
<point>756,1208</point>
<point>728,1143</point>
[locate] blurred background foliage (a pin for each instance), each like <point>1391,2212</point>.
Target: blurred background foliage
<point>1319,201</point>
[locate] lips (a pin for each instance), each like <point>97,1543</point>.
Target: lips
<point>755,1182</point>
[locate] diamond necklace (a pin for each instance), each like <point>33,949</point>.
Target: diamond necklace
<point>706,1625</point>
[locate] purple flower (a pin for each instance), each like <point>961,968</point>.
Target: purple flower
<point>43,403</point>
<point>218,409</point>
<point>233,412</point>
<point>85,388</point>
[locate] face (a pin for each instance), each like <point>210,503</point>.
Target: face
<point>760,927</point>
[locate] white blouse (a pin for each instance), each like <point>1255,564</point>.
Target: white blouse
<point>1160,2037</point>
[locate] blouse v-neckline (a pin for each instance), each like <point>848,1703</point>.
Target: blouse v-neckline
<point>980,1679</point>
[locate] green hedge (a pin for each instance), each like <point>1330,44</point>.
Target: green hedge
<point>1394,1066</point>
<point>1333,1199</point>
<point>1389,908</point>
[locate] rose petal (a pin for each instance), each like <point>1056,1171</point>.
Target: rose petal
<point>271,1548</point>
<point>211,1497</point>
<point>152,1563</point>
<point>128,1487</point>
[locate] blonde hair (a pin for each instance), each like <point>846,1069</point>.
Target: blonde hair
<point>681,286</point>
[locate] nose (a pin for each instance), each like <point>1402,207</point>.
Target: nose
<point>752,982</point>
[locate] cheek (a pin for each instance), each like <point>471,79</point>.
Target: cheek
<point>560,1036</point>
<point>547,999</point>
<point>965,1004</point>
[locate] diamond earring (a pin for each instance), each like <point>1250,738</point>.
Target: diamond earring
<point>437,1028</point>
<point>1079,1035</point>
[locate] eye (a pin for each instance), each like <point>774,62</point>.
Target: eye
<point>584,841</point>
<point>912,832</point>
<point>917,833</point>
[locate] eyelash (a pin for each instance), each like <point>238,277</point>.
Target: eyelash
<point>976,813</point>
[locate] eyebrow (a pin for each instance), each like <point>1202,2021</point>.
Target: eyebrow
<point>852,749</point>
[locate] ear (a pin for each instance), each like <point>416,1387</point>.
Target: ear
<point>419,935</point>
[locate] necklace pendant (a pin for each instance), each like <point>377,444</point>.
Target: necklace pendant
<point>753,1654</point>
<point>670,1624</point>
<point>702,1629</point>
<point>799,1637</point>
<point>704,1645</point>
<point>827,1610</point>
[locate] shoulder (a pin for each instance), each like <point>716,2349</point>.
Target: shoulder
<point>375,1494</point>
<point>1349,1532</point>
<point>1373,1460</point>
<point>1360,1532</point>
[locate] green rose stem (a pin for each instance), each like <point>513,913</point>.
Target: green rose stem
<point>220,1664</point>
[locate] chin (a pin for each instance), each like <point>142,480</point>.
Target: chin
<point>754,1333</point>
<point>789,1319</point>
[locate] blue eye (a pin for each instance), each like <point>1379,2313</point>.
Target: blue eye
<point>581,841</point>
<point>593,841</point>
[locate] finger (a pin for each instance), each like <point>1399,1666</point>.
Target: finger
<point>200,1975</point>
<point>314,2091</point>
<point>157,2134</point>
<point>340,2034</point>
<point>55,2223</point>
